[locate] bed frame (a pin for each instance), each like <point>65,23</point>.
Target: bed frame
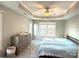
<point>76,41</point>
<point>73,39</point>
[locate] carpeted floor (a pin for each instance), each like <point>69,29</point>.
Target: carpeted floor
<point>31,51</point>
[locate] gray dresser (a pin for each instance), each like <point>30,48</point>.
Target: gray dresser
<point>21,42</point>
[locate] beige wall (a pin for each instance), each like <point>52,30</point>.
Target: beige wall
<point>12,24</point>
<point>60,26</point>
<point>72,27</point>
<point>0,31</point>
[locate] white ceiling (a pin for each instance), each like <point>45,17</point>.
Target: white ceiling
<point>31,5</point>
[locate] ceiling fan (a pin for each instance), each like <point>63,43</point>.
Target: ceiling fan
<point>46,9</point>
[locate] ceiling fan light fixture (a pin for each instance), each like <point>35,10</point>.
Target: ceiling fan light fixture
<point>46,13</point>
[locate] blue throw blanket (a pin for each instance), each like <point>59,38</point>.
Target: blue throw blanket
<point>60,47</point>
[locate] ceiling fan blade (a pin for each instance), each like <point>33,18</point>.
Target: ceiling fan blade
<point>39,6</point>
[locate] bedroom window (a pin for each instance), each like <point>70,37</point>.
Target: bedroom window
<point>45,29</point>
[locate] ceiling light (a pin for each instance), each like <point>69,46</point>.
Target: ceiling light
<point>46,13</point>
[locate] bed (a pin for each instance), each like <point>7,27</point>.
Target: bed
<point>57,47</point>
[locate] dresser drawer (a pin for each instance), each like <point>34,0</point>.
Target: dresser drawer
<point>21,42</point>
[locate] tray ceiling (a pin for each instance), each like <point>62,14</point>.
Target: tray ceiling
<point>36,9</point>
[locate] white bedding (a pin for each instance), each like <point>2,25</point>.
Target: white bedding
<point>60,47</point>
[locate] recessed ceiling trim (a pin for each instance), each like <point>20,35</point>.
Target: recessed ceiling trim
<point>24,7</point>
<point>71,7</point>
